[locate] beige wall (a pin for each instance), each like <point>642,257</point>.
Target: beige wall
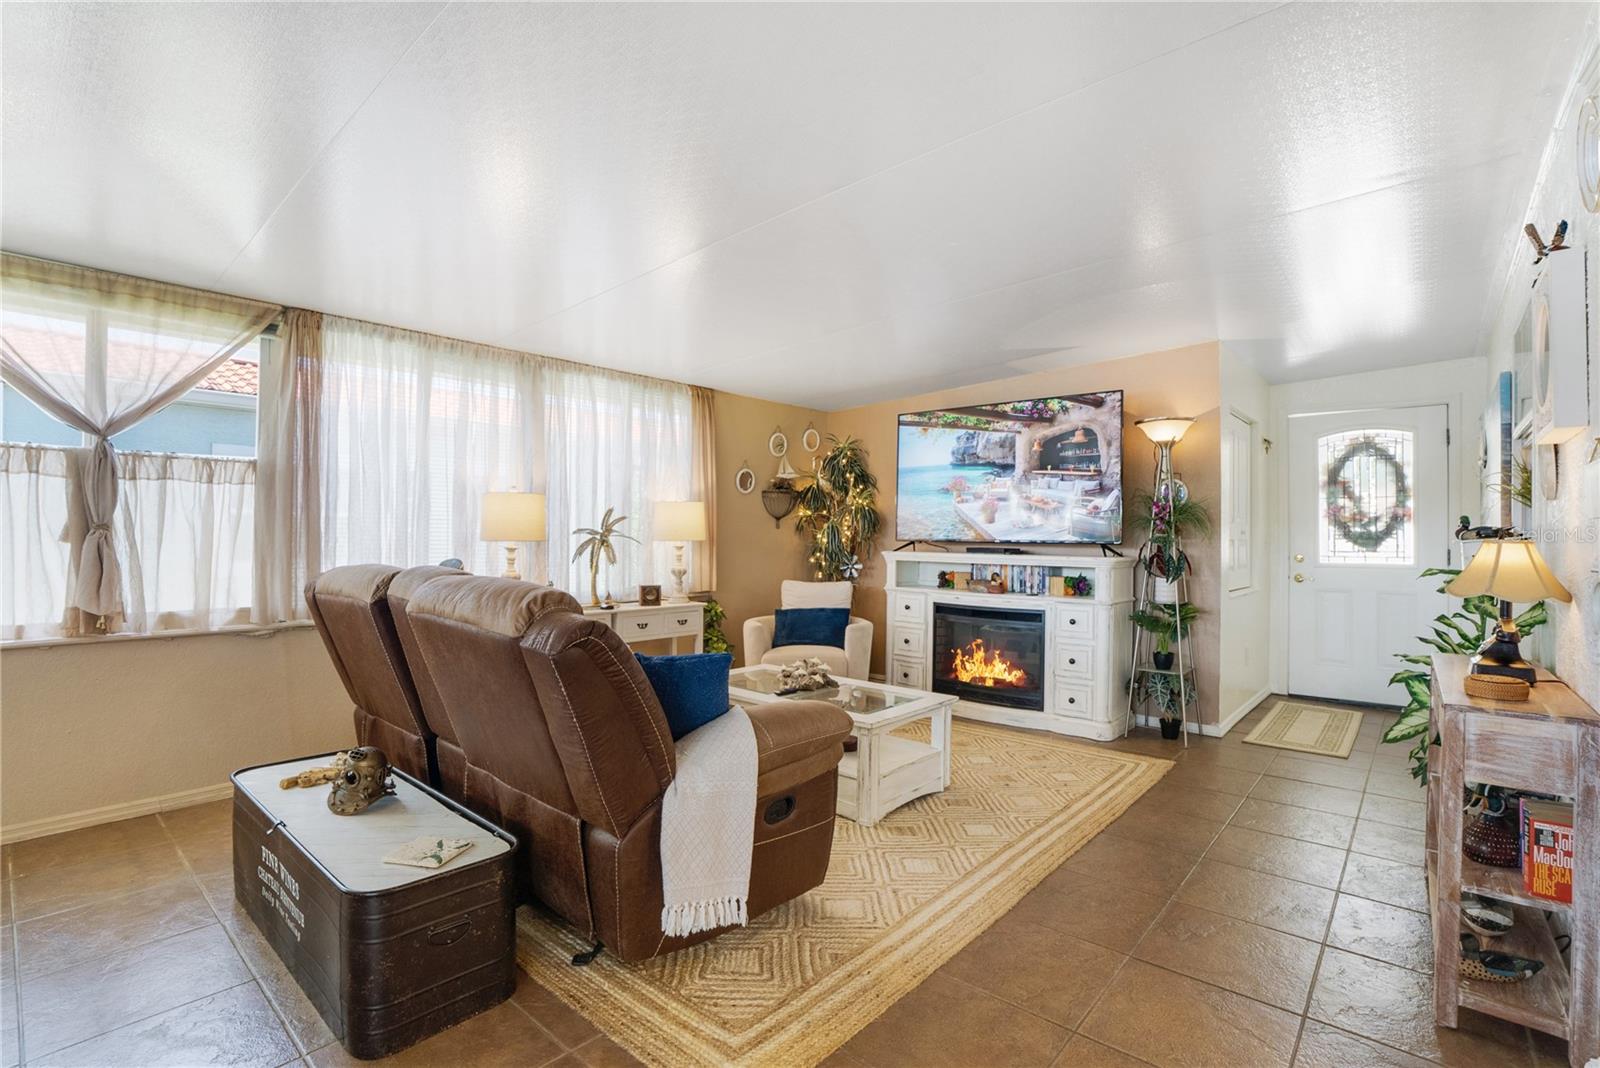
<point>129,722</point>
<point>1180,381</point>
<point>754,555</point>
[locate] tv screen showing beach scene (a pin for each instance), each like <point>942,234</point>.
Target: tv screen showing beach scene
<point>1045,471</point>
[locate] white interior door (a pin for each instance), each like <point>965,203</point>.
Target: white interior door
<point>1368,510</point>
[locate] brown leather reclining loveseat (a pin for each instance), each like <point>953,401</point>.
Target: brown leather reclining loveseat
<point>565,745</point>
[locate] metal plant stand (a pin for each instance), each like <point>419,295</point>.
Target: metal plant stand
<point>1182,670</point>
<point>1141,668</point>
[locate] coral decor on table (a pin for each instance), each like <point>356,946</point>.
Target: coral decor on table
<point>804,675</point>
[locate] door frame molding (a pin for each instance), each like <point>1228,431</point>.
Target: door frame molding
<point>1461,386</point>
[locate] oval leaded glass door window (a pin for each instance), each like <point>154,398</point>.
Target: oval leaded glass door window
<point>1367,498</point>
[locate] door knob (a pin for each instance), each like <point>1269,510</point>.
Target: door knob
<point>1299,558</point>
<point>1299,577</point>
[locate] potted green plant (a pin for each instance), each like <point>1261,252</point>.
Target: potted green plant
<point>1166,522</point>
<point>1460,632</point>
<point>1161,690</point>
<point>1166,623</point>
<point>597,542</point>
<point>838,511</point>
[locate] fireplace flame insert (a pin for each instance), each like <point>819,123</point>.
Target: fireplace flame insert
<point>993,656</point>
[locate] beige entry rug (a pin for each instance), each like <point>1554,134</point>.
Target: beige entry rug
<point>901,898</point>
<point>1308,728</point>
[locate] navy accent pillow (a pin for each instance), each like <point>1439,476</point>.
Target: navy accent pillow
<point>810,626</point>
<point>692,689</point>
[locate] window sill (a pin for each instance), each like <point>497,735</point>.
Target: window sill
<point>248,630</point>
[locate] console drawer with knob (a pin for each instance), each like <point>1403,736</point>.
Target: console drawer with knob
<point>1074,660</point>
<point>909,607</point>
<point>1076,621</point>
<point>905,639</point>
<point>1073,701</point>
<point>907,671</point>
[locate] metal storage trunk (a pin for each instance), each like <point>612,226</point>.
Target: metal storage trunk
<point>389,954</point>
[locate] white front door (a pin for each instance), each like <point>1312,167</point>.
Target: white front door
<point>1368,511</point>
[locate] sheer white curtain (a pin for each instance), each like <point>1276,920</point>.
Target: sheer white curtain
<point>618,441</point>
<point>34,565</point>
<point>413,429</point>
<point>182,529</point>
<point>185,529</point>
<point>100,352</point>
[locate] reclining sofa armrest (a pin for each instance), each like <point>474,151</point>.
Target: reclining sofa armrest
<point>796,741</point>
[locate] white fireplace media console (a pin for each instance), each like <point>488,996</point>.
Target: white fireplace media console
<point>1086,639</point>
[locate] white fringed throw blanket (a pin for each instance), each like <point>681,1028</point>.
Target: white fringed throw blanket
<point>705,827</point>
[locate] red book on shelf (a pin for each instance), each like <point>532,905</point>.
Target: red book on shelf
<point>1547,847</point>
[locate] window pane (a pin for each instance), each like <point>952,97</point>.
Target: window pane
<point>1366,483</point>
<point>216,418</point>
<point>22,421</point>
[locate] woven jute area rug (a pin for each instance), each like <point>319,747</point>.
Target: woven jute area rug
<point>901,898</point>
<point>1308,728</point>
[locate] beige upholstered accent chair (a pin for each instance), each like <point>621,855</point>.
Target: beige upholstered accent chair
<point>853,661</point>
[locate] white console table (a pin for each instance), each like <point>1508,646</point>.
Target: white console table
<point>647,623</point>
<point>1086,638</point>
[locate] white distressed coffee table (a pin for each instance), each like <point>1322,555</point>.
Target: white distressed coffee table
<point>886,770</point>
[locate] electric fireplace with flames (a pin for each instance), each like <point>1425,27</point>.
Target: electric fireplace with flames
<point>990,655</point>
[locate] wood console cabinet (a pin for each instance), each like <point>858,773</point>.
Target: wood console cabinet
<point>1549,744</point>
<point>1086,638</point>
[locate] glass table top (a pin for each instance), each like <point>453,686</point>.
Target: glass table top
<point>862,698</point>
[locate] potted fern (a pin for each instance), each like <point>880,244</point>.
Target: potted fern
<point>1166,623</point>
<point>597,542</point>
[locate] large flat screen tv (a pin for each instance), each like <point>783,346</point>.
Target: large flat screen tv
<point>1044,471</point>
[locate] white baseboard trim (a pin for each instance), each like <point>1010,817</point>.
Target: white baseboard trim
<point>92,817</point>
<point>1244,709</point>
<point>1210,730</point>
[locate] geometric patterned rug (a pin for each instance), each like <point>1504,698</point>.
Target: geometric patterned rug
<point>1308,728</point>
<point>901,898</point>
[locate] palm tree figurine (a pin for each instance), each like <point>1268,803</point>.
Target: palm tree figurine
<point>597,542</point>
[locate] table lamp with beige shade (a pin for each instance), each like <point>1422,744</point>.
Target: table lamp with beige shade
<point>512,518</point>
<point>1508,569</point>
<point>679,522</point>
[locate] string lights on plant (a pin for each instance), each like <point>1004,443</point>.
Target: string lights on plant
<point>838,512</point>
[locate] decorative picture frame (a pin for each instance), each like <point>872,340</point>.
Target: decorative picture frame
<point>811,439</point>
<point>778,443</point>
<point>650,596</point>
<point>744,480</point>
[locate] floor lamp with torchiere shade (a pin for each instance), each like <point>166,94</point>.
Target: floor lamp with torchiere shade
<point>512,518</point>
<point>678,523</point>
<point>1164,432</point>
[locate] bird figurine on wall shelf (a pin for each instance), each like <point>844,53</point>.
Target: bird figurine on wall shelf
<point>1557,241</point>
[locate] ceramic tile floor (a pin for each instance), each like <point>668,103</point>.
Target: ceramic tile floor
<point>1256,908</point>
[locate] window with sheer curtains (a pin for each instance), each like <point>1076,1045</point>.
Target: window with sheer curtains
<point>417,428</point>
<point>374,444</point>
<point>126,483</point>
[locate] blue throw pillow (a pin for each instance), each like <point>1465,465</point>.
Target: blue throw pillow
<point>692,689</point>
<point>810,626</point>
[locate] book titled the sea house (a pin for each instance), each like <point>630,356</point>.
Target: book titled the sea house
<point>1547,849</point>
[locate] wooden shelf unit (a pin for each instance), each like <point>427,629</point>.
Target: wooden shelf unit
<point>1549,744</point>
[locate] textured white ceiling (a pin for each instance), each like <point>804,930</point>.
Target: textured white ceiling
<point>823,204</point>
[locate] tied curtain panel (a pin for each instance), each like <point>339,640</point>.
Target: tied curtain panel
<point>182,530</point>
<point>101,352</point>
